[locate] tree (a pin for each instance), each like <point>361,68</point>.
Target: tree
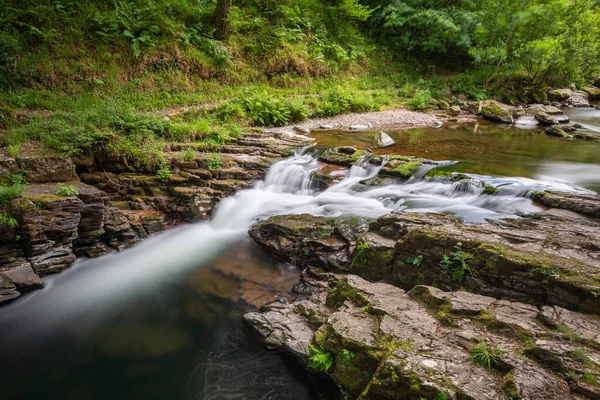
<point>221,15</point>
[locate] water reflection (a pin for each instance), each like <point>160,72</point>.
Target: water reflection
<point>489,149</point>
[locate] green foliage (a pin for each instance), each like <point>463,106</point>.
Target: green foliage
<point>416,261</point>
<point>488,356</point>
<point>360,252</point>
<point>7,222</point>
<point>12,190</point>
<point>341,100</point>
<point>263,110</point>
<point>320,359</point>
<point>346,356</point>
<point>214,162</point>
<point>164,171</point>
<point>188,154</point>
<point>67,190</point>
<point>419,100</point>
<point>9,46</point>
<point>14,149</point>
<point>454,266</point>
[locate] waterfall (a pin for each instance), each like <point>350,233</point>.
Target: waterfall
<point>101,283</point>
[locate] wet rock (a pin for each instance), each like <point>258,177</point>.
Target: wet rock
<point>545,118</point>
<point>583,204</point>
<point>559,94</point>
<point>555,131</point>
<point>496,111</point>
<point>360,127</point>
<point>384,140</point>
<point>326,126</point>
<point>443,105</point>
<point>21,274</point>
<point>43,169</point>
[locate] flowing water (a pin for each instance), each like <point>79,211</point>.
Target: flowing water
<point>163,319</point>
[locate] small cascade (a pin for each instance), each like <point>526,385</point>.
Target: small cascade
<point>285,190</point>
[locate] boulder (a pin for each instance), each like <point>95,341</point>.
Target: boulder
<point>592,92</point>
<point>302,129</point>
<point>496,111</point>
<point>578,100</point>
<point>545,119</point>
<point>555,131</point>
<point>453,111</point>
<point>559,94</point>
<point>384,140</point>
<point>443,105</point>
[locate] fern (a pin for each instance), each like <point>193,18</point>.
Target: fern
<point>8,222</point>
<point>320,359</point>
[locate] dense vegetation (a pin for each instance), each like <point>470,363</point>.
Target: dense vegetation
<point>75,75</point>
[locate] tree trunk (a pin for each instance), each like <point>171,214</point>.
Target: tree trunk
<point>221,14</point>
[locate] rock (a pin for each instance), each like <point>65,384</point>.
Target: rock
<point>555,131</point>
<point>325,126</point>
<point>43,169</point>
<point>545,119</point>
<point>8,167</point>
<point>592,92</point>
<point>598,107</point>
<point>577,126</point>
<point>359,127</point>
<point>512,259</point>
<point>559,94</point>
<point>385,344</point>
<point>283,327</point>
<point>20,274</point>
<point>527,121</point>
<point>497,111</point>
<point>578,100</point>
<point>443,105</point>
<point>8,291</point>
<point>586,136</point>
<point>453,111</point>
<point>583,204</point>
<point>301,129</point>
<point>384,140</point>
<point>587,327</point>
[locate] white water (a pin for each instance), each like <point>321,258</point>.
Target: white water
<point>98,285</point>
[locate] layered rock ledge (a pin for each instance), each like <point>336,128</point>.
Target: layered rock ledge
<point>410,306</point>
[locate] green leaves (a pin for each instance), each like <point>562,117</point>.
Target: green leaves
<point>320,359</point>
<point>486,355</point>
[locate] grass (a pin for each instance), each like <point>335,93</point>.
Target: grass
<point>488,356</point>
<point>67,190</point>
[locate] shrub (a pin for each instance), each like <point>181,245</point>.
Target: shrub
<point>9,47</point>
<point>188,154</point>
<point>420,100</point>
<point>67,190</point>
<point>14,149</point>
<point>214,162</point>
<point>263,110</point>
<point>13,190</point>
<point>164,171</point>
<point>8,222</point>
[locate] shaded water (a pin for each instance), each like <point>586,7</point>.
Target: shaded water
<point>163,320</point>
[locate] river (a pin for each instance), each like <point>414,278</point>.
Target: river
<point>163,320</point>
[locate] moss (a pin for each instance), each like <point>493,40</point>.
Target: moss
<point>443,173</point>
<point>510,388</point>
<point>358,154</point>
<point>407,169</point>
<point>342,292</point>
<point>489,190</point>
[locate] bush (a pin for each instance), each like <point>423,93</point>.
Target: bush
<point>67,190</point>
<point>420,100</point>
<point>164,171</point>
<point>214,162</point>
<point>12,190</point>
<point>188,154</point>
<point>264,110</point>
<point>9,47</point>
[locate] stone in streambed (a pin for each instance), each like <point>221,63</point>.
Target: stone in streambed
<point>555,131</point>
<point>496,111</point>
<point>592,92</point>
<point>384,140</point>
<point>545,118</point>
<point>559,94</point>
